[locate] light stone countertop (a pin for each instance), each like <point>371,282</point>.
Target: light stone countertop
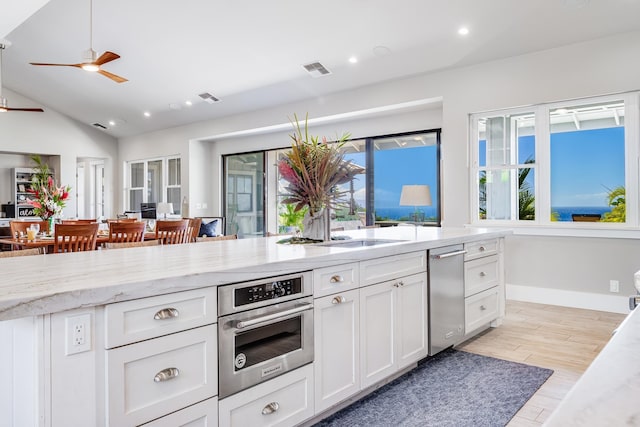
<point>608,393</point>
<point>52,283</point>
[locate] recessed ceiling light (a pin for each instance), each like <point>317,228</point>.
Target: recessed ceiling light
<point>112,123</point>
<point>353,60</point>
<point>147,114</point>
<point>381,51</point>
<point>189,103</point>
<point>463,31</point>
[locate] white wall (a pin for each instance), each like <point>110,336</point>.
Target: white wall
<point>51,133</point>
<point>592,68</point>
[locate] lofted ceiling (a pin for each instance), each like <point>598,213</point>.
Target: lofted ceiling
<point>249,53</point>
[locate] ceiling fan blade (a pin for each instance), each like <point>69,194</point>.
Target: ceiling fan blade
<point>112,76</point>
<point>106,57</point>
<point>40,110</point>
<point>56,65</point>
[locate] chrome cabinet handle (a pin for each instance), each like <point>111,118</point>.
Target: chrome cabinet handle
<point>166,375</point>
<point>270,408</point>
<point>166,313</point>
<point>401,283</point>
<point>336,279</point>
<point>338,300</point>
<point>482,274</point>
<point>483,308</point>
<point>481,249</point>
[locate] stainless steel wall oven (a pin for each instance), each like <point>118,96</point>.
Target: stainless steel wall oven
<point>265,328</point>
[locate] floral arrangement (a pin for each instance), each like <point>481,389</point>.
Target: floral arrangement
<point>313,169</point>
<point>48,200</point>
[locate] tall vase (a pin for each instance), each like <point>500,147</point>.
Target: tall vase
<point>316,227</point>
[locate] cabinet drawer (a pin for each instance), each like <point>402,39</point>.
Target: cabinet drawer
<point>381,269</point>
<point>480,309</point>
<point>339,278</point>
<point>203,414</point>
<point>132,321</point>
<point>481,274</point>
<point>137,391</point>
<point>481,249</point>
<point>283,401</point>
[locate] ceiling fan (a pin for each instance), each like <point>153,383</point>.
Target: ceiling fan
<point>90,60</point>
<point>4,106</point>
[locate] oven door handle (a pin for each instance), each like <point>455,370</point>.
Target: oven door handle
<point>250,322</point>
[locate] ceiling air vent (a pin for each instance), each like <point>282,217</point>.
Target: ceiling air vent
<point>207,97</point>
<point>316,69</point>
<point>99,125</point>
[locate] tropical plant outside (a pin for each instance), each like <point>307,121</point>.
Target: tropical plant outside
<point>617,201</point>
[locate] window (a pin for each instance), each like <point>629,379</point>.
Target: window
<point>153,181</point>
<point>559,163</point>
<point>244,194</point>
<point>390,162</point>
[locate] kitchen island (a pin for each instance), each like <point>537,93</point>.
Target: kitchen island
<point>64,374</point>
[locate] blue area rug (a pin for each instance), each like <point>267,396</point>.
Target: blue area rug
<point>453,388</point>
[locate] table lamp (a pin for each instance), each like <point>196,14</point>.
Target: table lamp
<point>415,195</point>
<point>164,209</point>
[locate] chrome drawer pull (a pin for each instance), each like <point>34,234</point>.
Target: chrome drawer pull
<point>401,283</point>
<point>336,279</point>
<point>482,274</point>
<point>338,300</point>
<point>449,254</point>
<point>166,375</point>
<point>481,249</point>
<point>166,313</point>
<point>483,308</point>
<point>270,408</point>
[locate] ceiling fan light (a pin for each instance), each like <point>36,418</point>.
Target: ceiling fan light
<point>90,67</point>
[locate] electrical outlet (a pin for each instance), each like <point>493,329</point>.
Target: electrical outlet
<point>614,286</point>
<point>78,334</point>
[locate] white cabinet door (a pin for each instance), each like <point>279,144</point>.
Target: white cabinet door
<point>411,312</point>
<point>377,332</point>
<point>336,323</point>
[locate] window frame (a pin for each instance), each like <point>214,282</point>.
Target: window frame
<point>542,177</point>
<point>164,190</point>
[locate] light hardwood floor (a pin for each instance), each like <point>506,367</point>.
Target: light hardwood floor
<point>560,338</point>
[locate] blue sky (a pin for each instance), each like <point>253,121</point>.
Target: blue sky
<point>584,165</point>
<point>395,168</point>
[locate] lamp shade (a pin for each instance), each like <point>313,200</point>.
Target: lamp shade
<point>164,208</point>
<point>415,195</point>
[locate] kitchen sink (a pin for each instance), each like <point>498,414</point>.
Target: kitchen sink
<point>359,243</point>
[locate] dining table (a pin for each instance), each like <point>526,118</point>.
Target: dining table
<point>44,242</point>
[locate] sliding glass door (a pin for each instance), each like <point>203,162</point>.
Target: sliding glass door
<point>244,194</point>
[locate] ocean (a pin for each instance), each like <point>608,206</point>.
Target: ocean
<point>564,212</point>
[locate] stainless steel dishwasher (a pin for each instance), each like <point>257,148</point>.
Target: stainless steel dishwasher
<point>446,297</point>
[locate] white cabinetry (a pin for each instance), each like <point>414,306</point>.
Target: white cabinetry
<point>393,333</point>
<point>337,348</point>
<point>282,401</point>
<point>483,284</point>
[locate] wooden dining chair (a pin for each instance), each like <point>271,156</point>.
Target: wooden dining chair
<point>172,232</point>
<point>21,252</point>
<point>21,227</point>
<point>212,239</point>
<point>79,221</point>
<point>126,231</point>
<point>194,228</point>
<point>118,245</point>
<point>75,237</point>
<point>110,220</point>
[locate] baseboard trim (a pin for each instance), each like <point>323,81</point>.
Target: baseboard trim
<point>600,302</point>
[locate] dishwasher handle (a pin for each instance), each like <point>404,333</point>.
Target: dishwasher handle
<point>449,254</point>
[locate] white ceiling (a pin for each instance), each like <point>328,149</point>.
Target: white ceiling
<point>249,53</point>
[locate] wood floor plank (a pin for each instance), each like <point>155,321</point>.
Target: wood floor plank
<point>564,339</point>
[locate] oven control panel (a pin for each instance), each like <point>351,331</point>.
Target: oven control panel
<point>267,291</point>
